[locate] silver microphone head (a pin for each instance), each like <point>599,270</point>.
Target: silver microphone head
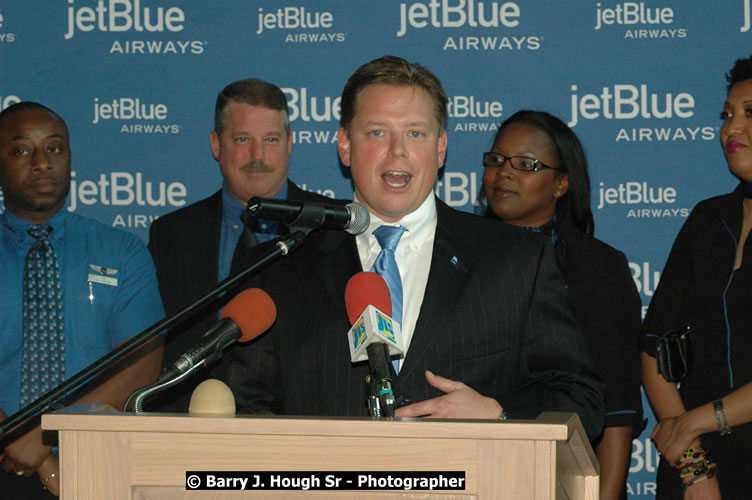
<point>359,218</point>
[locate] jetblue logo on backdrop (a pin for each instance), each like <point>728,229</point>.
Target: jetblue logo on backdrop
<point>458,189</point>
<point>442,14</point>
<point>453,14</point>
<point>645,279</point>
<point>129,16</point>
<point>140,116</point>
<point>5,37</point>
<point>313,110</point>
<point>651,201</point>
<point>311,26</point>
<point>461,106</point>
<point>653,22</point>
<point>126,189</point>
<point>472,111</point>
<point>629,102</point>
<point>746,24</point>
<point>123,15</point>
<point>644,458</point>
<point>317,109</point>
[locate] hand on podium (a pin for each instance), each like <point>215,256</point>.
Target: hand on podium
<point>460,401</point>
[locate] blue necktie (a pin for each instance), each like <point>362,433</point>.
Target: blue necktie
<point>386,266</point>
<point>43,356</point>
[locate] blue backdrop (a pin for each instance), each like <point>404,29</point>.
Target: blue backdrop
<point>642,84</point>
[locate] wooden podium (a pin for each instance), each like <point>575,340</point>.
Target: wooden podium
<point>126,456</point>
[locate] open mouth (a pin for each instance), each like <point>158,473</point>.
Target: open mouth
<point>396,179</point>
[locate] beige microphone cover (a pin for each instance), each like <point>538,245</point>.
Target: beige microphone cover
<point>212,398</point>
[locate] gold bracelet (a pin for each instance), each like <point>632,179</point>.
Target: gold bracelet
<point>47,479</point>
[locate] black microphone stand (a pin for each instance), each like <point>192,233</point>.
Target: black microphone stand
<point>310,218</point>
<point>381,400</point>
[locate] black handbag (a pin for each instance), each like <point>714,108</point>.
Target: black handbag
<point>673,352</point>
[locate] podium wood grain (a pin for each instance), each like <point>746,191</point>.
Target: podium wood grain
<point>126,456</point>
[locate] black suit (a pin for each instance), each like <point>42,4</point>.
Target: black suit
<point>185,247</point>
<point>499,320</point>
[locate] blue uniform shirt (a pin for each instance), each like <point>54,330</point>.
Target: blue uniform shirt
<point>110,292</point>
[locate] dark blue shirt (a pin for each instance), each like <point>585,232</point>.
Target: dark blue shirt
<point>232,229</point>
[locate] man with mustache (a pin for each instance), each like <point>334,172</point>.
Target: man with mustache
<point>72,290</point>
<point>195,247</point>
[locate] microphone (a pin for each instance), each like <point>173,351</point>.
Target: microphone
<point>374,336</point>
<point>353,217</point>
<point>249,314</point>
<point>369,306</point>
<point>212,398</point>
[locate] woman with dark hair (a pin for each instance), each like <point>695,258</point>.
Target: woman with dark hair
<point>536,177</point>
<point>704,432</point>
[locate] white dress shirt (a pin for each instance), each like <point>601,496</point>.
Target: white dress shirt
<point>413,257</point>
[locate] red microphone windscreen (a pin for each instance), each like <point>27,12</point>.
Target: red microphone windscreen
<point>364,289</point>
<point>253,311</point>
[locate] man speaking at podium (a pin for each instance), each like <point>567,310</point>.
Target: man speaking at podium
<point>488,325</point>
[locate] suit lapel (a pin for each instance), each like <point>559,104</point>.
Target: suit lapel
<point>450,263</point>
<point>203,242</point>
<point>339,262</point>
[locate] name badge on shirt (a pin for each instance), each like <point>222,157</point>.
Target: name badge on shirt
<point>103,275</point>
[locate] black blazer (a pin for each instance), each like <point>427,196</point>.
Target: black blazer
<point>495,316</point>
<point>608,307</point>
<point>185,247</point>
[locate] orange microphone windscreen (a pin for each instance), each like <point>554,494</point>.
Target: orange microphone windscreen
<point>253,311</point>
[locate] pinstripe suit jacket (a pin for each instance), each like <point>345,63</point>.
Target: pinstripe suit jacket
<point>184,245</point>
<point>499,320</point>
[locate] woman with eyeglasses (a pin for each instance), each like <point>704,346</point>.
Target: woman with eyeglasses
<point>704,432</point>
<point>536,177</point>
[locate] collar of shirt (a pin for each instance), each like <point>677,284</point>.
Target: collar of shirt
<point>232,228</point>
<point>19,228</point>
<point>421,228</point>
<point>232,210</point>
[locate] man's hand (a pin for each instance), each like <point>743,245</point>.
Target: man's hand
<point>26,453</point>
<point>460,401</point>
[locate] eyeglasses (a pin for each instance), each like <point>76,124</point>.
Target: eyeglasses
<point>517,162</point>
